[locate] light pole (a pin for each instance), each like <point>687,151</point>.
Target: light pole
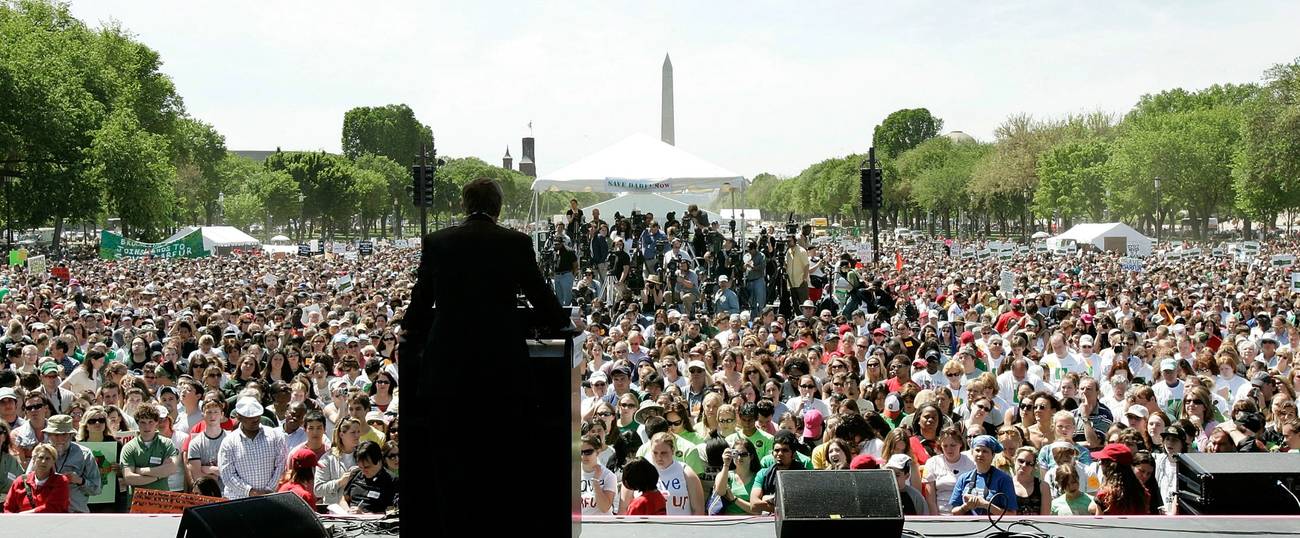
<point>1159,217</point>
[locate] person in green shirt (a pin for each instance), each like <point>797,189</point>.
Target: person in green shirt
<point>1071,501</point>
<point>148,459</point>
<point>748,429</point>
<point>736,479</point>
<point>690,445</point>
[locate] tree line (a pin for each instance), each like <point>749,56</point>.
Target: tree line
<point>92,129</point>
<point>1229,151</point>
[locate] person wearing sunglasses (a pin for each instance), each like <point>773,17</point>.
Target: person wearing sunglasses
<point>807,399</point>
<point>735,481</point>
<point>1030,489</point>
<point>598,485</point>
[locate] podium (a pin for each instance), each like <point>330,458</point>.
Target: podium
<point>545,390</point>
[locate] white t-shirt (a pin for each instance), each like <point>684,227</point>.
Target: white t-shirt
<point>942,477</point>
<point>587,488</point>
<point>672,483</point>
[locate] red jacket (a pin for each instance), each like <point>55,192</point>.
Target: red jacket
<point>50,497</point>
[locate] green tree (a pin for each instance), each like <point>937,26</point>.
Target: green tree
<point>1071,180</point>
<point>136,171</point>
<point>390,131</point>
<point>904,129</point>
<point>1266,168</point>
<point>243,209</point>
<point>199,150</point>
<point>369,189</point>
<point>325,181</point>
<point>397,179</point>
<point>939,172</point>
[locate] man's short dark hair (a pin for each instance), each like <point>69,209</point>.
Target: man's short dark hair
<point>655,425</point>
<point>482,195</point>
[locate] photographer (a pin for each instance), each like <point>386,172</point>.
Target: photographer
<point>620,264</point>
<point>685,284</point>
<point>755,278</point>
<point>599,242</point>
<point>566,264</point>
<point>655,295</point>
<point>649,242</point>
<point>573,219</point>
<point>798,271</point>
<point>725,299</point>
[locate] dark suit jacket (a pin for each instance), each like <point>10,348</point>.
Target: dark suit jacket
<point>473,273</point>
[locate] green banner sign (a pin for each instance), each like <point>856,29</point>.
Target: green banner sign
<point>113,246</point>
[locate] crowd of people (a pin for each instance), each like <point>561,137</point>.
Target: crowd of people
<point>227,377</point>
<point>1070,388</point>
<point>709,363</point>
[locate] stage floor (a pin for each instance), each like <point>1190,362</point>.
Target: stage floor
<point>110,525</point>
<point>1072,527</point>
<point>164,526</point>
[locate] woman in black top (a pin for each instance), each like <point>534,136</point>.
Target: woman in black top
<point>1029,488</point>
<point>374,489</point>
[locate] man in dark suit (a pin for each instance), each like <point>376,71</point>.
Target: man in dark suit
<point>473,274</point>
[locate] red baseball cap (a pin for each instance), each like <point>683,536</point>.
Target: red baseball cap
<point>864,461</point>
<point>1116,452</point>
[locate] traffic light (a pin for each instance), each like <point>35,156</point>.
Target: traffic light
<point>417,185</point>
<point>427,186</point>
<point>873,196</point>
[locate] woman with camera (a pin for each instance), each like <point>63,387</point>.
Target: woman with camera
<point>736,479</point>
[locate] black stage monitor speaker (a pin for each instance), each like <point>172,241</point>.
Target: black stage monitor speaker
<point>282,515</point>
<point>861,503</point>
<point>1238,483</point>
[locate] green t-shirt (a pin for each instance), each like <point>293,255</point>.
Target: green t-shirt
<point>762,441</point>
<point>1065,507</point>
<point>137,454</point>
<point>741,491</point>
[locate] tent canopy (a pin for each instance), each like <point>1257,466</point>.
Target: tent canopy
<point>644,202</point>
<point>639,164</point>
<point>1115,236</point>
<point>219,237</point>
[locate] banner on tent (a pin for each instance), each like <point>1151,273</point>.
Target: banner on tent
<point>637,185</point>
<point>113,246</point>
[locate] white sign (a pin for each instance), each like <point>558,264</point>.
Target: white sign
<point>36,264</point>
<point>339,248</point>
<point>306,313</point>
<point>1218,252</point>
<point>1295,282</point>
<point>344,283</point>
<point>1131,264</point>
<point>1040,247</point>
<point>1192,252</point>
<point>1174,256</point>
<point>1008,282</point>
<point>269,280</point>
<point>1278,260</point>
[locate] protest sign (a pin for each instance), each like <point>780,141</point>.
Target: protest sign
<point>1131,264</point>
<point>1007,282</point>
<point>1282,260</point>
<point>153,501</point>
<point>1295,282</point>
<point>113,246</point>
<point>62,273</point>
<point>366,248</point>
<point>105,454</point>
<point>344,283</point>
<point>36,265</point>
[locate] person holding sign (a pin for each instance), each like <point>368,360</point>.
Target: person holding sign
<point>74,462</point>
<point>41,491</point>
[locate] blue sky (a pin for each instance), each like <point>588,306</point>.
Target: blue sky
<point>760,86</point>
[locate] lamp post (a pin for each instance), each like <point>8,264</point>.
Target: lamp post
<point>1159,217</point>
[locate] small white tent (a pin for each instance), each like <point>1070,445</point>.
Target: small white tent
<point>219,239</point>
<point>645,202</point>
<point>1114,236</point>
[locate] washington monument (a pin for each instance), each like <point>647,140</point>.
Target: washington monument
<point>666,106</point>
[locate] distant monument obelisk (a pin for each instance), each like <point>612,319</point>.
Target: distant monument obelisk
<point>666,106</point>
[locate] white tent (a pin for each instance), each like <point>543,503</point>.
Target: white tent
<point>645,202</point>
<point>1115,236</point>
<point>219,239</point>
<point>639,164</point>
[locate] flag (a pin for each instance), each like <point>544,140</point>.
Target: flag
<point>898,262</point>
